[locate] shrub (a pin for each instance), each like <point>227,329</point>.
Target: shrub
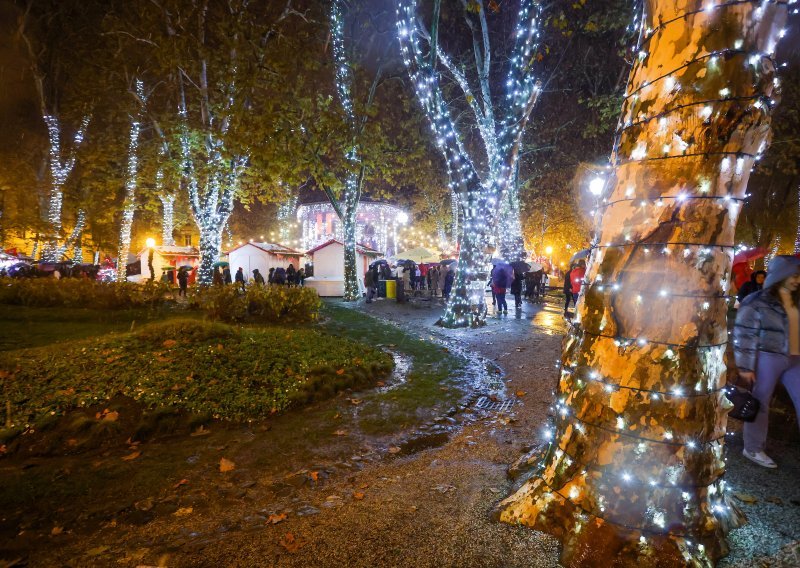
<point>260,303</point>
<point>82,293</point>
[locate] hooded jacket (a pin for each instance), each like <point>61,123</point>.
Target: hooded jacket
<point>761,325</point>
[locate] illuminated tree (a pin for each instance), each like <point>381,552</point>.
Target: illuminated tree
<point>129,204</point>
<point>501,120</point>
<point>633,473</point>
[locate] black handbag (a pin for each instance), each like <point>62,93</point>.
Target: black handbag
<point>745,405</point>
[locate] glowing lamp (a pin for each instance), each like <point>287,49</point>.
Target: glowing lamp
<point>150,242</point>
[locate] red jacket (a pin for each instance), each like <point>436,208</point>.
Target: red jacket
<point>576,278</point>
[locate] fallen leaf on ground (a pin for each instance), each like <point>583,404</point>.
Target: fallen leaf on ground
<point>380,384</point>
<point>745,497</point>
<point>96,551</point>
<point>226,465</point>
<point>3,449</point>
<point>181,482</point>
<point>169,343</point>
<point>291,543</point>
<point>355,401</point>
<point>314,475</point>
<point>131,457</point>
<point>183,511</point>
<point>275,519</point>
<point>57,531</point>
<point>394,450</point>
<point>201,431</point>
<point>358,496</point>
<point>521,393</point>
<point>340,371</point>
<point>341,432</point>
<point>363,486</point>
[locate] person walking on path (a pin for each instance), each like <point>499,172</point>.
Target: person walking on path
<point>448,283</point>
<point>573,281</point>
<point>216,278</point>
<point>491,285</point>
<point>226,275</point>
<point>755,284</point>
<point>370,281</point>
<point>433,281</point>
<point>271,275</point>
<point>767,348</point>
<point>240,278</point>
<point>499,285</point>
<point>516,289</point>
<point>290,275</point>
<point>257,277</point>
<point>301,277</point>
<point>183,281</point>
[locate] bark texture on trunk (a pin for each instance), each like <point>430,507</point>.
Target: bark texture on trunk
<point>632,476</point>
<point>351,289</point>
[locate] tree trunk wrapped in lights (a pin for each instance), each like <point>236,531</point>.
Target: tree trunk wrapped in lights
<point>167,214</point>
<point>633,474</point>
<point>500,119</point>
<point>129,204</point>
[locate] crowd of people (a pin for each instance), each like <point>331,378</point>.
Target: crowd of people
<point>289,276</point>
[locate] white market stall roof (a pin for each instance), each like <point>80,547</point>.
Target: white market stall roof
<point>174,251</point>
<point>273,248</point>
<point>361,249</point>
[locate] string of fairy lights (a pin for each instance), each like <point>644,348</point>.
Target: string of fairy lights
<point>129,204</point>
<point>580,380</point>
<point>344,82</point>
<point>480,200</point>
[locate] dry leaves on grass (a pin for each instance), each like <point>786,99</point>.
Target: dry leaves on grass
<point>314,475</point>
<point>132,456</point>
<point>394,450</point>
<point>358,495</point>
<point>181,483</point>
<point>521,393</point>
<point>275,519</point>
<point>226,465</point>
<point>340,433</point>
<point>292,543</point>
<point>183,511</point>
<point>57,531</point>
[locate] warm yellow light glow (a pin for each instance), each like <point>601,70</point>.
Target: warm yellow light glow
<point>150,242</point>
<point>549,250</point>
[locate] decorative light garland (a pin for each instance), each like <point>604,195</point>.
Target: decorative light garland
<point>129,202</point>
<point>481,201</point>
<point>638,402</point>
<point>60,169</point>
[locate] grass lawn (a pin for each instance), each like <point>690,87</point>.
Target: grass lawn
<point>201,367</point>
<point>22,327</point>
<point>430,383</point>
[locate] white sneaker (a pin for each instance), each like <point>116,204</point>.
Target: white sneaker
<point>760,458</point>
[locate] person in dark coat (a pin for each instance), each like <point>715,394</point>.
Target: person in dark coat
<point>767,348</point>
<point>448,284</point>
<point>290,275</point>
<point>240,277</point>
<point>516,289</point>
<point>271,275</point>
<point>755,284</point>
<point>258,278</point>
<point>183,281</point>
<point>279,277</point>
<point>370,281</point>
<point>226,275</point>
<point>216,279</point>
<point>301,277</point>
